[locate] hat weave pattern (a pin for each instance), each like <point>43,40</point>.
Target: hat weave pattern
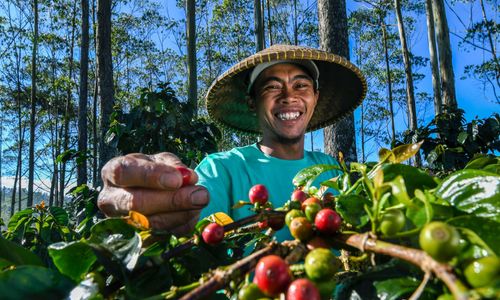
<point>342,88</point>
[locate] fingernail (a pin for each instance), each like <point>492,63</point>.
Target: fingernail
<point>171,179</point>
<point>199,197</point>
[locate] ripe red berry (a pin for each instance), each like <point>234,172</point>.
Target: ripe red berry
<point>299,195</point>
<point>302,289</point>
<point>263,224</point>
<point>272,275</point>
<point>186,175</point>
<point>258,194</point>
<point>327,221</point>
<point>213,234</point>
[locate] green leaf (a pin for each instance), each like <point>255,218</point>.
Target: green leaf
<point>385,155</point>
<point>486,229</point>
<point>115,240</point>
<point>396,288</point>
<point>419,213</point>
<point>18,217</point>
<point>472,191</point>
<point>307,176</point>
<point>462,137</point>
<point>72,259</point>
<point>17,255</point>
<point>350,208</point>
<point>404,152</point>
<point>414,178</point>
<point>33,282</point>
<point>480,162</point>
<point>60,215</point>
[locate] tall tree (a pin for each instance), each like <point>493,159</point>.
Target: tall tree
<point>445,57</point>
<point>431,38</point>
<point>258,25</point>
<point>410,94</point>
<point>82,104</point>
<point>105,69</point>
<point>31,167</point>
<point>191,55</point>
<point>332,19</point>
<point>389,77</point>
<point>68,111</point>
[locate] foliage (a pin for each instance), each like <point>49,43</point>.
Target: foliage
<point>123,257</point>
<point>450,142</point>
<point>158,123</point>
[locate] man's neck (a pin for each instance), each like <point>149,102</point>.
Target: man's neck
<point>290,151</point>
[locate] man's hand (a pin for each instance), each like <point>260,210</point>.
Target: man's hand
<point>152,185</point>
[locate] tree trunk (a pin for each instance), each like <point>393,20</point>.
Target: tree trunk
<point>105,69</point>
<point>410,94</point>
<point>389,79</point>
<point>67,114</point>
<point>95,141</point>
<point>445,59</point>
<point>191,56</point>
<point>332,19</point>
<point>431,37</point>
<point>269,25</point>
<point>492,43</point>
<point>259,25</point>
<point>31,173</point>
<point>82,104</point>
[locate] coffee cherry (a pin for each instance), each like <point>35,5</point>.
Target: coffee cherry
<point>250,292</point>
<point>321,264</point>
<point>309,201</point>
<point>301,229</point>
<point>258,194</point>
<point>299,195</point>
<point>294,213</point>
<point>317,242</point>
<point>186,175</point>
<point>272,275</point>
<point>327,221</point>
<point>311,211</point>
<point>302,289</point>
<point>392,222</point>
<point>440,240</point>
<point>483,271</point>
<point>213,234</point>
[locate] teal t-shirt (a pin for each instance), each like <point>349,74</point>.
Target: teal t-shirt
<point>229,175</point>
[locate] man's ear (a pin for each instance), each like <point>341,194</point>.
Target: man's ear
<point>251,103</point>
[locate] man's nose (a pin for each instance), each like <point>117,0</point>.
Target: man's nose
<point>288,95</point>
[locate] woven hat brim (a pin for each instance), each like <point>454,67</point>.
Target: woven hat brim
<point>341,84</point>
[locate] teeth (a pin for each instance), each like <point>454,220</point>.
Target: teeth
<point>288,116</point>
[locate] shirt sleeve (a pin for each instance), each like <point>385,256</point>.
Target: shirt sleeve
<point>215,178</point>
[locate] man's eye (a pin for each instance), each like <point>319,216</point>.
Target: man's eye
<point>272,87</point>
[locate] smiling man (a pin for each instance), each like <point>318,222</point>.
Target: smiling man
<point>278,94</point>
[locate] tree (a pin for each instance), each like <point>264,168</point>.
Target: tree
<point>82,105</point>
<point>445,56</point>
<point>105,73</point>
<point>33,107</point>
<point>410,95</point>
<point>191,55</point>
<point>259,25</point>
<point>332,19</point>
<point>431,37</point>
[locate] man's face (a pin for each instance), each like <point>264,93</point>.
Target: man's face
<point>285,101</point>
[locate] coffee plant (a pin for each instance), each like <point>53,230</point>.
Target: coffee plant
<point>393,232</point>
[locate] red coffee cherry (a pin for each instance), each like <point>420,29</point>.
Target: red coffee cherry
<point>299,195</point>
<point>302,289</point>
<point>258,194</point>
<point>272,275</point>
<point>327,221</point>
<point>310,201</point>
<point>213,234</point>
<point>186,175</point>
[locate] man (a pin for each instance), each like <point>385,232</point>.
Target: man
<point>279,94</point>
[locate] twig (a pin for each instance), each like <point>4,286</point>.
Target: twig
<point>221,277</point>
<point>421,287</point>
<point>417,257</point>
<point>232,226</point>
